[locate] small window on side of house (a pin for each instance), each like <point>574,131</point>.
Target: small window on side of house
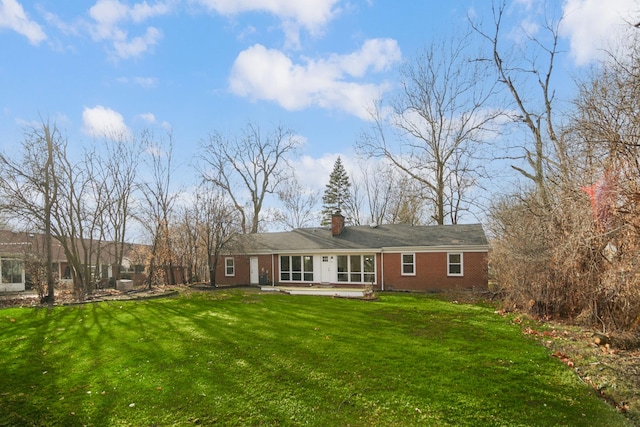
<point>408,267</point>
<point>454,264</point>
<point>229,267</point>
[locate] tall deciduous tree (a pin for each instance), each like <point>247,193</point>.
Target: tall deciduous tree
<point>63,199</point>
<point>78,214</point>
<point>248,167</point>
<point>217,221</point>
<point>523,71</point>
<point>299,205</point>
<point>337,193</point>
<point>119,171</point>
<point>607,131</point>
<point>157,208</point>
<point>390,197</point>
<point>185,234</point>
<point>433,128</point>
<point>29,186</point>
<point>556,250</point>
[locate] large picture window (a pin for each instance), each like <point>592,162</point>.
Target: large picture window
<point>454,264</point>
<point>296,268</point>
<point>408,264</point>
<point>356,268</point>
<point>11,271</point>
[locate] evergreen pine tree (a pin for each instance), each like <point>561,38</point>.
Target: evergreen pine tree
<point>337,192</point>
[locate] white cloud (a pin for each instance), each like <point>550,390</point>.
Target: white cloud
<point>146,82</point>
<point>140,12</point>
<point>594,26</point>
<point>268,74</point>
<point>314,173</point>
<point>13,17</point>
<point>313,15</point>
<point>109,19</point>
<point>138,45</point>
<point>70,28</point>
<point>148,117</point>
<point>100,121</point>
<point>107,14</point>
<point>529,27</point>
<point>377,54</point>
<point>166,126</point>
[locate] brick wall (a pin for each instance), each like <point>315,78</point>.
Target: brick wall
<point>242,274</point>
<point>431,272</point>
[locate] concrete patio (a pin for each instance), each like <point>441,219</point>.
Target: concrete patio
<point>320,291</point>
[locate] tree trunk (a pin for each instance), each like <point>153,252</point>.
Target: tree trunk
<point>49,177</point>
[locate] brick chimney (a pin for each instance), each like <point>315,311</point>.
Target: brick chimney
<point>337,224</point>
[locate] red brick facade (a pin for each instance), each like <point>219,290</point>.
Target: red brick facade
<point>242,267</point>
<point>431,272</point>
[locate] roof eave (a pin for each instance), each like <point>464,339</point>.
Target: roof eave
<point>440,248</point>
<point>386,249</point>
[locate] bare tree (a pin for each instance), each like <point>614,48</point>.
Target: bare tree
<point>158,201</point>
<point>50,195</point>
<point>607,130</point>
<point>186,235</point>
<point>79,219</point>
<point>248,167</point>
<point>218,223</point>
<point>62,199</point>
<point>29,186</point>
<point>119,172</point>
<point>522,71</point>
<point>560,252</point>
<point>379,183</point>
<point>354,211</point>
<point>407,206</point>
<point>300,205</point>
<point>432,129</point>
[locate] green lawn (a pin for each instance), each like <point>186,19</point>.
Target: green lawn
<point>245,358</point>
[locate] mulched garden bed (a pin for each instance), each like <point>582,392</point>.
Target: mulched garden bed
<point>66,297</point>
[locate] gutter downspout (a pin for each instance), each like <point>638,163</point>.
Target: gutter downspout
<point>382,268</point>
<point>273,272</point>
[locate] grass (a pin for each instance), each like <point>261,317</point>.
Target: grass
<point>245,358</point>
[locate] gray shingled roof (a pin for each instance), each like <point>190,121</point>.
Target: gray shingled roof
<point>16,243</point>
<point>358,238</point>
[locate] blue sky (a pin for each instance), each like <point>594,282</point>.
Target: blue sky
<point>200,66</point>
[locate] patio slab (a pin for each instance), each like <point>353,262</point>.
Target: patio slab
<point>333,292</point>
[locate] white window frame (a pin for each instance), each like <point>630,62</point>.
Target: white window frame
<point>306,276</point>
<point>412,263</point>
<point>461,264</point>
<point>227,266</point>
<point>349,273</point>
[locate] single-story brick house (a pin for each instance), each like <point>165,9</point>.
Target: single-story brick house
<point>15,246</point>
<point>388,257</point>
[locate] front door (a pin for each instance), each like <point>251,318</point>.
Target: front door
<point>328,269</point>
<point>253,270</point>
